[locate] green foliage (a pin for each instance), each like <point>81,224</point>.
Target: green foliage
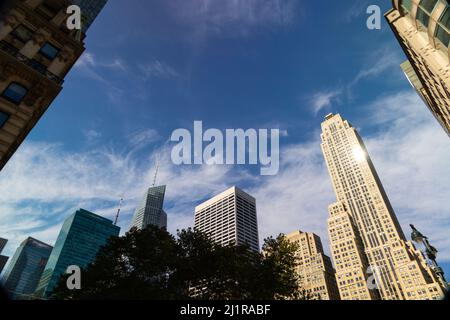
<point>151,264</point>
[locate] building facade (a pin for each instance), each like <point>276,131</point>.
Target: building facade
<point>81,237</point>
<point>422,28</point>
<point>368,246</point>
<point>150,211</point>
<point>316,273</point>
<point>25,269</point>
<point>36,53</point>
<point>229,219</point>
<point>3,259</point>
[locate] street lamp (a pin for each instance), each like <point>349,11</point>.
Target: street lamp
<point>431,253</point>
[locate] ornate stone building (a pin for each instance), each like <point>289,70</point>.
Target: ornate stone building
<point>422,28</point>
<point>370,251</point>
<point>36,52</point>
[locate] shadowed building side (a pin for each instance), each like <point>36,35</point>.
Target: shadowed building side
<point>316,273</point>
<point>25,268</point>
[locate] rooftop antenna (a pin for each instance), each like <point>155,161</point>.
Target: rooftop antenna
<point>118,211</point>
<point>156,172</point>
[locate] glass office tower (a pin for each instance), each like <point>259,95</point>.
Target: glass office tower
<point>81,237</point>
<point>90,9</point>
<point>26,267</point>
<point>150,211</point>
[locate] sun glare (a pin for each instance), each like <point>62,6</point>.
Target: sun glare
<point>359,154</point>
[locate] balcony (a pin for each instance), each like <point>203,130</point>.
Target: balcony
<point>33,64</point>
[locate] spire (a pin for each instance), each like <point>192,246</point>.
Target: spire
<point>118,211</point>
<point>156,172</point>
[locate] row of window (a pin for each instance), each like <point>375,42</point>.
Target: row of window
<point>424,11</point>
<point>24,34</point>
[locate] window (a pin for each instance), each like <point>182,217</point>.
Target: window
<point>3,118</point>
<point>407,5</point>
<point>428,5</point>
<point>15,93</point>
<point>48,10</point>
<point>22,33</point>
<point>443,27</point>
<point>49,51</point>
<point>423,17</point>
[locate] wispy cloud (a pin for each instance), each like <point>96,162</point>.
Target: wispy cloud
<point>158,69</point>
<point>143,137</point>
<point>355,10</point>
<point>324,99</point>
<point>91,135</point>
<point>94,68</point>
<point>89,60</point>
<point>376,64</point>
<point>233,17</point>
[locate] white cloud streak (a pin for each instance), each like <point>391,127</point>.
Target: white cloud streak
<point>233,17</point>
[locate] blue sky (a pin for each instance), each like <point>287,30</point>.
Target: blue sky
<point>155,66</point>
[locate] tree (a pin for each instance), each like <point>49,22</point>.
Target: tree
<point>135,266</point>
<point>152,264</point>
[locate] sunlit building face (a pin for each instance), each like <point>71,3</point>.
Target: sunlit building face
<point>372,257</point>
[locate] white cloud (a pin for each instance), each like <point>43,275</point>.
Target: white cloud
<point>377,63</point>
<point>233,17</point>
<point>86,59</point>
<point>143,137</point>
<point>91,135</point>
<point>324,100</point>
<point>158,69</point>
<point>355,10</point>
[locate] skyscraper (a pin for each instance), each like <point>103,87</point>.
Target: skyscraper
<point>90,9</point>
<point>26,267</point>
<point>36,53</point>
<point>81,237</point>
<point>3,259</point>
<point>150,211</point>
<point>422,28</point>
<point>229,218</point>
<point>317,276</point>
<point>366,238</point>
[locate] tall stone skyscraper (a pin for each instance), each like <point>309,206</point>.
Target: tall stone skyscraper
<point>229,218</point>
<point>317,276</point>
<point>150,211</point>
<point>25,269</point>
<point>81,237</point>
<point>366,238</point>
<point>37,50</point>
<point>422,28</point>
